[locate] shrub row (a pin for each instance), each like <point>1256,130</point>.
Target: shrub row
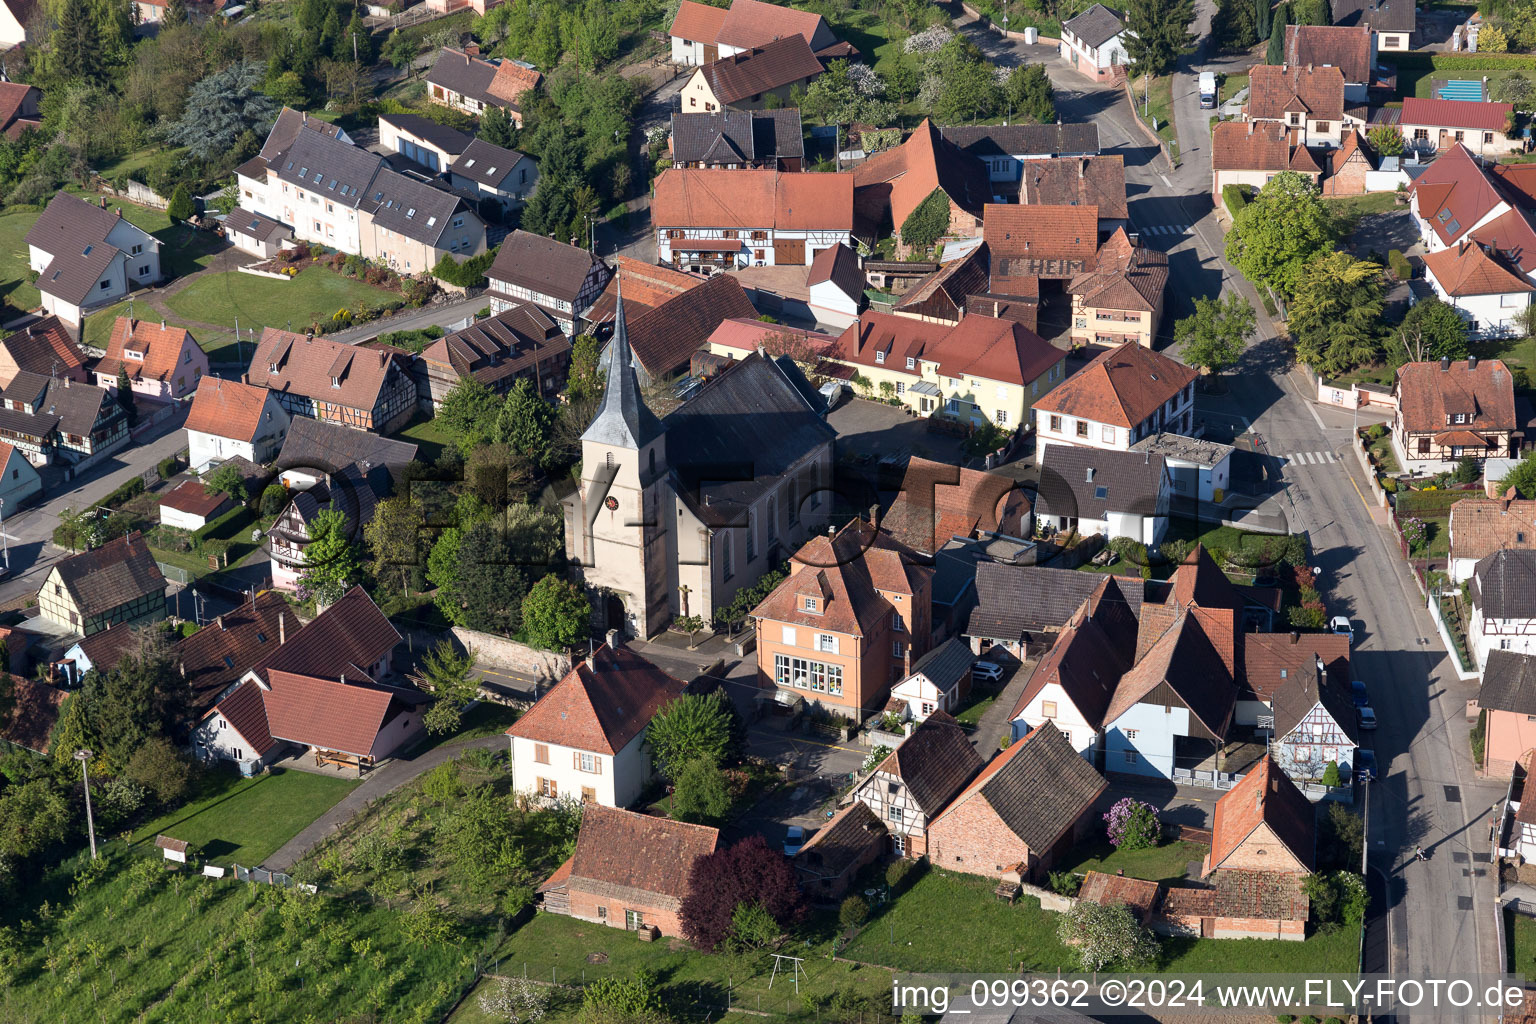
<point>1236,197</point>
<point>1419,59</point>
<point>125,493</point>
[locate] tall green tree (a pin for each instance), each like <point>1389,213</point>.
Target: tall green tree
<point>1030,94</point>
<point>76,45</point>
<point>525,422</point>
<point>1157,34</point>
<point>175,14</point>
<point>330,557</point>
<point>1261,13</point>
<point>226,480</point>
<point>1335,312</point>
<point>469,413</point>
<point>556,613</point>
<point>357,32</point>
<point>450,675</point>
<point>488,593</point>
<point>583,381</point>
<point>222,106</point>
<point>1522,477</point>
<point>124,395</point>
<point>1232,26</point>
<point>694,727</point>
<point>700,794</point>
<point>395,540</point>
<point>399,50</point>
<point>1432,330</point>
<point>1276,53</point>
<point>598,37</point>
<point>1311,12</point>
<point>496,126</point>
<point>1215,334</point>
<point>1285,225</point>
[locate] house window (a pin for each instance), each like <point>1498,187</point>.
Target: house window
<point>547,788</point>
<point>541,753</point>
<point>1055,424</point>
<point>826,643</point>
<point>634,920</point>
<point>1295,120</point>
<point>1421,135</point>
<point>898,625</point>
<point>1048,708</point>
<point>602,914</point>
<point>1504,644</point>
<point>897,649</point>
<point>589,763</point>
<point>752,535</point>
<point>1487,138</point>
<point>810,604</point>
<point>589,796</point>
<point>1130,734</point>
<point>1423,446</point>
<point>1321,127</point>
<point>1002,417</point>
<point>879,358</point>
<point>1082,428</point>
<point>1130,757</point>
<point>1107,434</point>
<point>911,362</point>
<point>805,674</point>
<point>895,815</point>
<point>136,250</point>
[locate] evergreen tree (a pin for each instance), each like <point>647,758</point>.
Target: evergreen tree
<point>525,422</point>
<point>356,30</point>
<point>1158,34</point>
<point>181,206</point>
<point>1261,13</point>
<point>77,44</point>
<point>496,126</point>
<point>1276,53</point>
<point>125,396</point>
<point>175,13</point>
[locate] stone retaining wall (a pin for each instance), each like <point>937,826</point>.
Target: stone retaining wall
<point>500,652</point>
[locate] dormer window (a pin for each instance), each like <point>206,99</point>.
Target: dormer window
<point>131,354</point>
<point>335,382</point>
<point>911,363</point>
<point>810,604</point>
<point>1461,417</point>
<point>271,367</point>
<point>879,358</point>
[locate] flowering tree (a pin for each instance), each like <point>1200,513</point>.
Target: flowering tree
<point>1106,936</point>
<point>1132,825</point>
<point>874,757</point>
<point>929,40</point>
<point>1415,532</point>
<point>864,80</point>
<point>515,1000</point>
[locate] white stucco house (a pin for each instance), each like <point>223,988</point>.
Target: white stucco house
<point>1104,493</point>
<point>701,33</point>
<point>1093,43</point>
<point>19,480</point>
<point>1484,288</point>
<point>1503,591</point>
<point>1200,470</point>
<point>1118,398</point>
<point>87,256</point>
<point>230,419</point>
<point>585,738</point>
<point>939,681</point>
<point>836,286</point>
<point>236,730</point>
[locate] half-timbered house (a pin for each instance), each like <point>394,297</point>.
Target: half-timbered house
<point>347,492</point>
<point>521,341</point>
<point>708,220</point>
<point>116,585</point>
<point>1295,691</point>
<point>918,780</point>
<point>1503,594</point>
<point>367,389</point>
<point>562,280</point>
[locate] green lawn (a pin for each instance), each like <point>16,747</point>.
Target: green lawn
<point>1417,81</point>
<point>484,719</point>
<point>428,435</point>
<point>1348,210</point>
<point>14,286</point>
<point>1160,863</point>
<point>314,295</point>
<point>1520,941</point>
<point>1160,107</point>
<point>246,820</point>
<point>1231,85</point>
<point>1386,458</point>
<point>978,705</point>
<point>1518,353</point>
<point>999,937</point>
<point>220,345</point>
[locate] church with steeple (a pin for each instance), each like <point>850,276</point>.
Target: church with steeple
<point>673,516</point>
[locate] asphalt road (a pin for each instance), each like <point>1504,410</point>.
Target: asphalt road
<point>1439,914</point>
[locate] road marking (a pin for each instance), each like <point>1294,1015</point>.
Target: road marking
<point>1362,497</point>
<point>1165,180</point>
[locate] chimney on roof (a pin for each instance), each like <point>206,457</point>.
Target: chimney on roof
<point>1445,362</point>
<point>471,49</point>
<point>282,628</point>
<point>103,202</point>
<point>1088,477</point>
<point>1471,362</point>
<point>874,515</point>
<point>1082,168</point>
<point>1295,637</point>
<point>612,639</point>
<point>183,667</point>
<point>119,211</point>
<point>162,323</point>
<point>220,621</point>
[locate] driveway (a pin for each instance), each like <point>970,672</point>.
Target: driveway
<point>876,429</point>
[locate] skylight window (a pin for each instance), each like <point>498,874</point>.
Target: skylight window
<point>87,251</point>
<point>378,197</point>
<point>1443,215</point>
<point>303,171</point>
<point>411,212</point>
<point>1100,493</point>
<point>431,221</point>
<point>470,162</point>
<point>491,171</point>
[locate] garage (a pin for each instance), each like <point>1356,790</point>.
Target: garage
<point>789,252</point>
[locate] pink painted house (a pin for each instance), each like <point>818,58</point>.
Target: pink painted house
<point>163,363</point>
<point>1508,698</point>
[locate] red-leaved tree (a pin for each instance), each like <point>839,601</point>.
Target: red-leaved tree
<point>748,872</point>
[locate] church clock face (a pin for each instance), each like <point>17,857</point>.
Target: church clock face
<point>611,503</point>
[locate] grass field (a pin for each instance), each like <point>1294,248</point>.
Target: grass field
<point>244,821</point>
<point>1160,106</point>
<point>1160,863</point>
<point>220,345</point>
<point>428,435</point>
<point>999,937</point>
<point>978,705</point>
<point>1347,210</point>
<point>314,295</point>
<point>484,719</point>
<point>1231,85</point>
<point>1521,941</point>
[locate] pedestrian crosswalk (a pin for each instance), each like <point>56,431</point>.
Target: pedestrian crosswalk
<point>1308,458</point>
<point>1166,229</point>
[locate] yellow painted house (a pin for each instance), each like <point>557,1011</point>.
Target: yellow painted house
<point>981,369</point>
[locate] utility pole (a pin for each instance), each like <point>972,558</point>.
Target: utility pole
<point>83,756</point>
<point>5,546</point>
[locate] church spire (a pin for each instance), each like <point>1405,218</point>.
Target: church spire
<point>623,420</point>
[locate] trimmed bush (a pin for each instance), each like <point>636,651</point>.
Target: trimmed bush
<point>124,494</point>
<point>167,467</point>
<point>1401,268</point>
<point>1235,197</point>
<point>896,872</point>
<point>469,274</point>
<point>853,912</point>
<point>1419,59</point>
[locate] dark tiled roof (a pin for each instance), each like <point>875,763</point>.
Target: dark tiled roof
<point>750,411</point>
<point>344,640</point>
<point>1509,683</point>
<point>946,664</point>
<point>114,574</point>
<point>1504,585</point>
<point>463,74</point>
<point>601,704</point>
<point>329,167</point>
<point>839,265</point>
<point>256,225</point>
<point>484,163</point>
<point>1077,181</point>
<point>330,447</point>
<point>755,136</point>
<point>1097,25</point>
<point>1038,787</point>
<point>1093,652</point>
<point>504,345</point>
<point>449,140</point>
<point>1024,139</point>
<point>1015,599</point>
<point>413,208</point>
<point>636,852</point>
<point>841,842</point>
<point>222,651</point>
<point>73,276</point>
<point>69,223</point>
<point>664,337</point>
<point>46,348</point>
<point>1380,15</point>
<point>935,762</point>
<point>542,265</point>
<point>1089,483</point>
<point>105,649</point>
<point>747,75</point>
<point>285,129</point>
<point>192,497</point>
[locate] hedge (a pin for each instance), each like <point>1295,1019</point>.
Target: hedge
<point>1236,197</point>
<point>1401,268</point>
<point>226,525</point>
<point>1421,59</point>
<point>469,274</point>
<point>127,492</point>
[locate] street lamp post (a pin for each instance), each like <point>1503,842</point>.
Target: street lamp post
<point>83,756</point>
<point>5,547</point>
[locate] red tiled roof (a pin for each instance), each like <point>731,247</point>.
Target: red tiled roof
<point>320,713</point>
<point>1251,146</point>
<point>601,704</point>
<point>1068,235</point>
<point>1481,526</point>
<point>938,501</point>
<point>1429,397</point>
<point>345,640</point>
<point>1135,894</point>
<point>1266,795</point>
<point>227,408</point>
<point>646,286</point>
<point>306,366</point>
<point>769,66</point>
<point>1434,113</point>
<point>512,80</point>
<point>697,22</point>
<point>246,713</point>
<point>45,348</point>
<point>1122,386</point>
<point>1077,181</point>
<point>895,182</point>
<point>159,349</point>
<point>1454,193</point>
<point>191,497</point>
<point>753,23</point>
<point>1347,48</point>
<point>711,198</point>
<point>636,852</point>
<point>1512,236</point>
<point>1124,276</point>
<point>664,338</point>
<point>845,571</point>
<point>1464,270</point>
<point>745,335</point>
<point>1274,92</point>
<point>13,95</point>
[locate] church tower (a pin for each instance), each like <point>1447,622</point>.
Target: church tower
<point>614,521</point>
